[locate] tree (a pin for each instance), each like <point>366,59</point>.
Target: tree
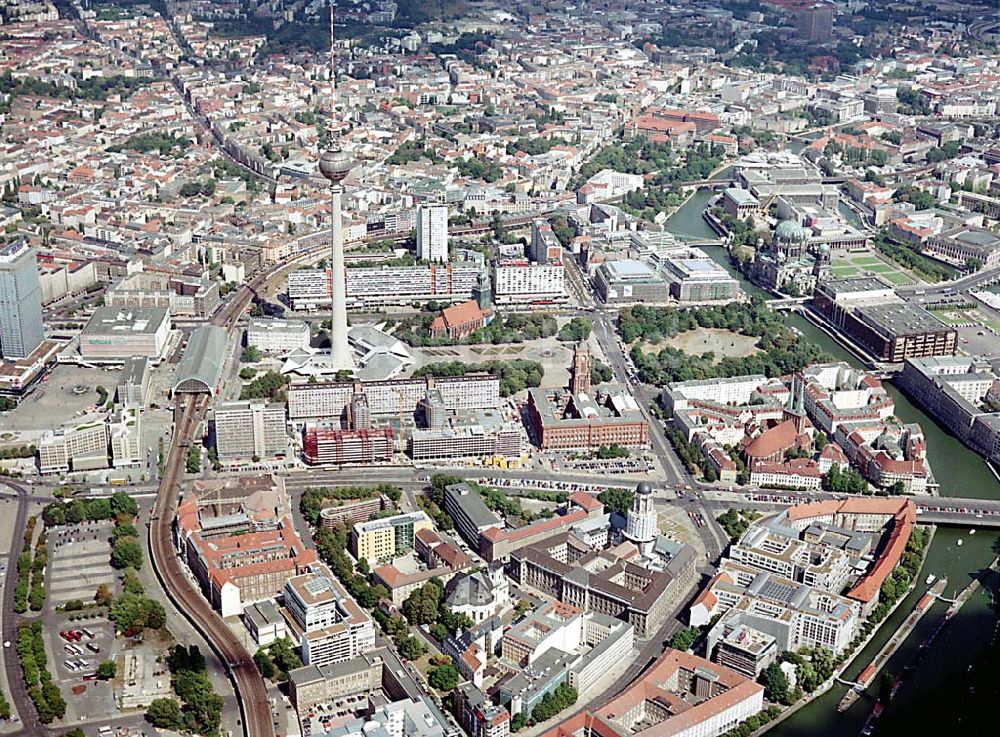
<point>165,714</point>
<point>684,639</point>
<point>251,354</point>
<point>775,684</point>
<point>104,595</point>
<point>126,553</point>
<point>122,531</point>
<point>577,329</point>
<point>411,648</point>
<point>107,670</point>
<point>444,677</point>
<point>264,664</point>
<point>615,450</point>
<point>98,509</point>
<point>618,500</point>
<point>284,656</point>
<point>123,504</point>
<point>193,464</point>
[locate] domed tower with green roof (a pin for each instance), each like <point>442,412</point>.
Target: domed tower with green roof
<point>789,239</point>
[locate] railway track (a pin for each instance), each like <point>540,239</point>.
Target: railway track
<point>251,693</point>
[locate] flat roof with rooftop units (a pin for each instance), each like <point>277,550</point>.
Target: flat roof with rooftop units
<point>115,334</point>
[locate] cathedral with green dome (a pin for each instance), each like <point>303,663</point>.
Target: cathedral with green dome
<point>789,263</point>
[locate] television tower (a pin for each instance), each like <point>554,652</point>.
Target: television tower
<point>335,165</point>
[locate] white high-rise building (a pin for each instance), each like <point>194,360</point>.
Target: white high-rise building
<point>250,429</point>
<point>640,524</point>
<point>432,233</point>
<point>21,328</point>
<point>329,624</point>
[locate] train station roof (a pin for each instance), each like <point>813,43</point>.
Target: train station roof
<point>200,369</point>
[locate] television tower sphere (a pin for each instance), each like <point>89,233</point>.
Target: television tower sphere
<point>335,165</point>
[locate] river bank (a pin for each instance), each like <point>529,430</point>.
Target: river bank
<point>957,663</point>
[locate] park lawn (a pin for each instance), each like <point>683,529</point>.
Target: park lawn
<point>843,272</point>
<point>866,261</point>
<point>898,278</point>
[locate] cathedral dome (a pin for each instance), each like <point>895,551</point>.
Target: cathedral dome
<point>789,231</point>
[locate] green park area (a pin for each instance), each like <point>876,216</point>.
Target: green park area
<point>851,266</point>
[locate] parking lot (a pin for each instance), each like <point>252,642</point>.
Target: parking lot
<point>73,664</point>
<point>79,556</point>
<point>322,718</point>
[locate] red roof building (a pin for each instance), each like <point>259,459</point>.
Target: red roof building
<point>459,321</point>
<point>682,695</point>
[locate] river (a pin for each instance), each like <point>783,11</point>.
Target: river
<point>957,683</point>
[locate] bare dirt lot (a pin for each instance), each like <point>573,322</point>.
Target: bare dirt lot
<point>704,340</point>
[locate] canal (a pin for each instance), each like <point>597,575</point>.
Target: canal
<point>956,684</point>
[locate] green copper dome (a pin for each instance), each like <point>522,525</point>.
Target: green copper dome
<point>789,231</point>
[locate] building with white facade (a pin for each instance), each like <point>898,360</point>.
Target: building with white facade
<point>432,233</point>
<point>327,622</point>
<point>250,430</point>
<point>319,400</point>
<point>273,335</point>
<point>114,334</point>
<point>92,442</point>
<point>518,281</point>
<point>640,525</point>
<point>375,286</point>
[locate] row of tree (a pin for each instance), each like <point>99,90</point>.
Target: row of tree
<point>23,585</point>
<point>120,504</point>
<point>42,690</point>
<point>515,375</point>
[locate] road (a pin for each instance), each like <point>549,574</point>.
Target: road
<point>983,277</point>
<point>15,682</point>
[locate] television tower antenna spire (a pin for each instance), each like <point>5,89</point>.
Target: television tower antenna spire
<point>333,57</point>
<point>335,165</point>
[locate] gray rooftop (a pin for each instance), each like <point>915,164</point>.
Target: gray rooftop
<point>741,196</point>
<point>200,370</point>
<point>472,504</point>
<point>862,284</point>
<point>901,319</point>
<point>134,369</point>
<point>126,320</point>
